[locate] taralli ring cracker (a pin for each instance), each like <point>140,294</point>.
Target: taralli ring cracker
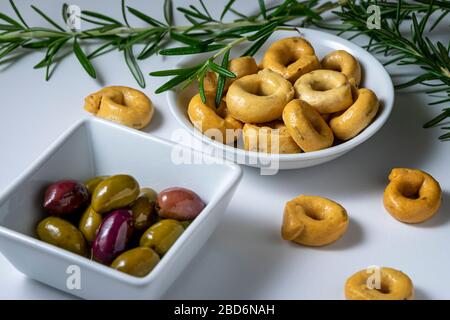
<point>120,104</point>
<point>327,91</point>
<point>342,61</point>
<point>270,137</point>
<point>291,58</point>
<point>260,97</point>
<point>393,285</point>
<point>313,221</point>
<point>306,126</point>
<point>412,195</point>
<point>357,117</point>
<point>213,123</point>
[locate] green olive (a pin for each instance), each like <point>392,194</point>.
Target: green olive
<point>137,262</point>
<point>162,235</point>
<point>186,223</point>
<point>114,192</point>
<point>63,234</point>
<point>92,183</point>
<point>144,209</point>
<point>89,223</point>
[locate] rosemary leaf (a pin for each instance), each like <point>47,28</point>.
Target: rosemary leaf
<point>222,79</point>
<point>13,5</point>
<point>223,71</point>
<point>133,66</point>
<point>175,81</point>
<point>145,18</point>
<point>82,58</point>
<point>168,12</point>
<point>49,20</point>
<point>190,50</point>
<point>226,8</point>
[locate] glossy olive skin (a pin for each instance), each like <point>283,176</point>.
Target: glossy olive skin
<point>114,192</point>
<point>65,196</point>
<point>137,262</point>
<point>186,223</point>
<point>144,209</point>
<point>92,183</point>
<point>112,236</point>
<point>162,235</point>
<point>62,234</point>
<point>89,223</point>
<point>179,203</point>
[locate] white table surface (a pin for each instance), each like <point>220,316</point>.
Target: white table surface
<point>245,258</point>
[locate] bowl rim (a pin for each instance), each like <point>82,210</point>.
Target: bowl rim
<point>234,176</point>
<point>368,132</point>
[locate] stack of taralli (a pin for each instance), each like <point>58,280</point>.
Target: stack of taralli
<point>290,103</point>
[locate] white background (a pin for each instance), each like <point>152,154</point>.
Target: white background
<point>245,257</point>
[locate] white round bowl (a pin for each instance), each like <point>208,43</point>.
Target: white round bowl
<point>374,77</point>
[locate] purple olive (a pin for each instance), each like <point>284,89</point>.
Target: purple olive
<point>179,204</point>
<point>113,235</point>
<point>65,196</point>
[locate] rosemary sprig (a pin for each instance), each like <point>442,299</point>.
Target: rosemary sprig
<point>253,30</point>
<point>204,33</point>
<point>414,48</point>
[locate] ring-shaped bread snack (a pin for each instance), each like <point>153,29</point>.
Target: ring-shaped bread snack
<point>270,137</point>
<point>342,61</point>
<point>392,285</point>
<point>357,117</point>
<point>412,195</point>
<point>120,104</point>
<point>242,66</point>
<point>291,58</point>
<point>313,221</point>
<point>326,90</point>
<point>259,98</point>
<point>306,126</point>
<point>216,124</point>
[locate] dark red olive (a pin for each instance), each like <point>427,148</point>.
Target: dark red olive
<point>113,235</point>
<point>65,196</point>
<point>179,204</point>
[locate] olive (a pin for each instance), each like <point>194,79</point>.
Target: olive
<point>143,209</point>
<point>65,196</point>
<point>89,223</point>
<point>179,204</point>
<point>92,183</point>
<point>112,236</point>
<point>162,235</point>
<point>114,192</point>
<point>186,223</point>
<point>137,262</point>
<point>63,234</point>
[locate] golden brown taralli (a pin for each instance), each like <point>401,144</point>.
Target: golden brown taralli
<point>271,137</point>
<point>291,58</point>
<point>313,221</point>
<point>357,117</point>
<point>342,61</point>
<point>242,66</point>
<point>123,105</point>
<point>327,91</point>
<point>306,126</point>
<point>393,285</point>
<point>412,195</point>
<point>259,98</point>
<point>216,124</point>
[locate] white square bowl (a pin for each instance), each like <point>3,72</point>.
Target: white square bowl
<point>95,147</point>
